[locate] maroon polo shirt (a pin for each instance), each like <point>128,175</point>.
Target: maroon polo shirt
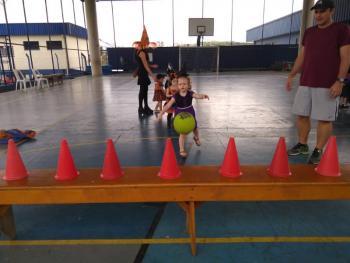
<point>322,55</point>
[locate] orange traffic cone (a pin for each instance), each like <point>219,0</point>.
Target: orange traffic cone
<point>15,169</point>
<point>230,165</point>
<point>169,168</point>
<point>279,166</point>
<point>65,166</point>
<point>329,164</point>
<point>111,166</point>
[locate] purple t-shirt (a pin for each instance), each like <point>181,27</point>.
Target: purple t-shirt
<point>183,102</point>
<point>321,54</point>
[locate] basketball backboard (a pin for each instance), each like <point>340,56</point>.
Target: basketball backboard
<point>201,26</point>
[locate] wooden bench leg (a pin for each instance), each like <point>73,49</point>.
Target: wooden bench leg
<point>192,227</point>
<point>7,221</point>
<point>190,208</point>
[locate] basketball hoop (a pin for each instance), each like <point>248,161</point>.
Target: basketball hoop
<point>201,30</point>
<point>201,27</point>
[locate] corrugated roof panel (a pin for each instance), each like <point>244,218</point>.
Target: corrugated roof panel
<point>281,26</point>
<point>43,29</point>
<point>342,10</point>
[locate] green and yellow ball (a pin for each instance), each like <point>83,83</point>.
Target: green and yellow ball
<point>184,123</point>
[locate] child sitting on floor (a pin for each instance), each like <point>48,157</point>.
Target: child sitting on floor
<point>16,135</point>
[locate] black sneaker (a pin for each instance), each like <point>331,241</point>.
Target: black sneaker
<point>298,149</point>
<point>315,156</point>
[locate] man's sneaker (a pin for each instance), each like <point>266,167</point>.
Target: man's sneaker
<point>315,156</point>
<point>299,149</point>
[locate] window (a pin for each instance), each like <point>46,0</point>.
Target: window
<point>4,51</point>
<point>32,45</point>
<point>54,44</point>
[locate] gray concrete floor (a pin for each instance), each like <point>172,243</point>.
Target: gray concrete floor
<point>251,106</point>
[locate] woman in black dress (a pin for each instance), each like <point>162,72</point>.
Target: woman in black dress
<point>143,73</point>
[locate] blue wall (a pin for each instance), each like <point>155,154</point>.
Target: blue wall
<point>248,57</point>
<point>255,56</point>
<point>124,58</point>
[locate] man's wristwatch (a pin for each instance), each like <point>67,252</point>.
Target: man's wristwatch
<point>341,80</point>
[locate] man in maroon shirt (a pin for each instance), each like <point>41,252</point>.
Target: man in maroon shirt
<point>323,62</point>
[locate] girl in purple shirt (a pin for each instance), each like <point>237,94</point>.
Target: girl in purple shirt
<point>183,103</point>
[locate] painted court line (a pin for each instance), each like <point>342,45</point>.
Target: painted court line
<point>72,145</point>
<point>202,240</point>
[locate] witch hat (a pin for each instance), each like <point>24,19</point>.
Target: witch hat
<point>144,38</point>
<point>144,42</point>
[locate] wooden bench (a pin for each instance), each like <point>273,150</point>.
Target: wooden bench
<point>197,184</point>
<point>52,78</point>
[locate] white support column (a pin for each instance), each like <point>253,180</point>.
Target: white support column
<point>91,18</point>
<point>218,60</point>
<point>306,18</point>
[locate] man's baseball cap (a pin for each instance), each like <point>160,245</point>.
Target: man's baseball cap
<point>323,4</point>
